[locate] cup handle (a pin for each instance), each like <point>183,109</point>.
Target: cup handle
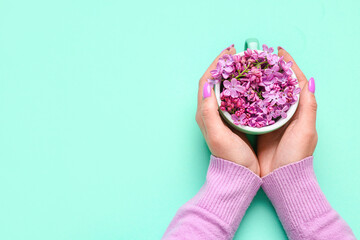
<point>252,43</point>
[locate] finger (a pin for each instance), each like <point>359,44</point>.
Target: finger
<point>308,105</point>
<point>207,74</point>
<point>299,74</point>
<point>209,111</point>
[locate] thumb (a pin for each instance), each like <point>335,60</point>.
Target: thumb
<point>209,110</point>
<point>308,104</point>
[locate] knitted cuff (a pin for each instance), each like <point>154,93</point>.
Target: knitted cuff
<point>295,193</point>
<point>228,190</point>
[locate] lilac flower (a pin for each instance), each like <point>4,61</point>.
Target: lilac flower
<point>262,105</point>
<point>248,52</point>
<point>267,81</point>
<point>272,59</point>
<point>216,73</point>
<point>261,88</point>
<point>267,50</point>
<point>257,56</point>
<point>251,95</point>
<point>273,72</point>
<point>261,56</point>
<point>237,58</point>
<point>255,71</point>
<point>292,93</point>
<point>252,109</point>
<point>274,97</point>
<point>260,122</point>
<point>233,88</point>
<point>286,67</point>
<point>292,81</point>
<point>224,67</point>
<point>282,80</point>
<point>296,93</point>
<point>239,119</point>
<point>271,114</point>
<point>257,122</point>
<point>269,122</point>
<point>282,111</point>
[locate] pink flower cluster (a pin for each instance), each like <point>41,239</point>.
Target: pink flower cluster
<point>257,89</point>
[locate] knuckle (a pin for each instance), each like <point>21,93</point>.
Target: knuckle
<point>205,110</point>
<point>311,102</point>
<point>313,105</point>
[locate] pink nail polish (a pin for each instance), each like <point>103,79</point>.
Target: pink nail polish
<point>312,85</point>
<point>280,48</point>
<point>206,90</point>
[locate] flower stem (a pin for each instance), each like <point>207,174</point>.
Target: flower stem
<point>245,70</point>
<point>258,64</point>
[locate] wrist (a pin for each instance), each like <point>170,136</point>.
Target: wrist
<point>254,167</point>
<point>250,163</point>
<point>291,157</point>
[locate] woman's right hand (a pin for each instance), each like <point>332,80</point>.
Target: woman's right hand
<point>221,140</point>
<point>298,138</point>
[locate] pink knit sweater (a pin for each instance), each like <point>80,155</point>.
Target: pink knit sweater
<point>216,211</point>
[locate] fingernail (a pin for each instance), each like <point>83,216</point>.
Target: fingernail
<point>206,90</point>
<point>279,48</point>
<point>312,85</point>
<point>228,48</point>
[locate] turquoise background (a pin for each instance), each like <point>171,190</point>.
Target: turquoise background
<point>98,98</point>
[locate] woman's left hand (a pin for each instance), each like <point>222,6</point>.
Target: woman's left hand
<point>221,140</point>
<point>298,138</point>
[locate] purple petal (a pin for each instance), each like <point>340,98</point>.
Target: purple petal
<point>288,72</point>
<point>265,47</point>
<point>227,84</point>
<point>240,89</point>
<point>225,75</point>
<point>281,101</point>
<point>227,92</point>
<point>215,73</point>
<point>242,116</point>
<point>234,93</point>
<point>234,82</point>
<point>228,69</point>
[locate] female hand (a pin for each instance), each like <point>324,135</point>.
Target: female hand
<point>221,140</point>
<point>298,138</point>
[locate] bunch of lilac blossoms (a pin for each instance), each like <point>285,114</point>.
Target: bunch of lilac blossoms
<point>257,89</point>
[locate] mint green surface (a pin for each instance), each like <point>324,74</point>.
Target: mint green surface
<point>98,98</point>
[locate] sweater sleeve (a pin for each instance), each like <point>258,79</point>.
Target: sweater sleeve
<point>217,209</point>
<point>301,205</point>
